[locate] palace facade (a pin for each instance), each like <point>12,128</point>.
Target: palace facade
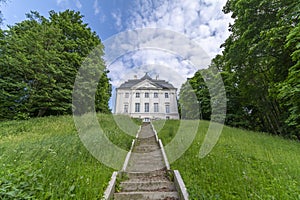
<point>147,98</point>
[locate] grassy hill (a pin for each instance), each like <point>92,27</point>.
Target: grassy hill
<point>243,165</point>
<point>43,158</point>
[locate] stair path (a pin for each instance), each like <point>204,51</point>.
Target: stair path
<point>146,176</point>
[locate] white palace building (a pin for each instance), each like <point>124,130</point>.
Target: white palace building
<point>147,98</point>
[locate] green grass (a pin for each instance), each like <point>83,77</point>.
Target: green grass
<point>243,165</point>
<point>44,158</point>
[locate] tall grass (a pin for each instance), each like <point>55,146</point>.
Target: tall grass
<point>43,158</point>
<point>243,165</point>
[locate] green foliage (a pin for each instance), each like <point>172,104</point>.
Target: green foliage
<point>121,177</point>
<point>194,98</point>
<point>259,67</point>
<point>242,165</point>
<point>103,94</point>
<point>202,93</point>
<point>43,158</point>
<point>39,63</point>
<point>255,54</point>
<point>20,182</point>
<point>289,90</point>
<point>189,108</point>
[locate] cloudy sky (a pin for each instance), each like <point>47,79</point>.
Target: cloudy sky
<point>200,21</point>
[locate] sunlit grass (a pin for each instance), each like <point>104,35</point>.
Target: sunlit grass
<point>243,165</point>
<point>44,158</point>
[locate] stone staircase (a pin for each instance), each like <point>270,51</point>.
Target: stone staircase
<point>146,176</point>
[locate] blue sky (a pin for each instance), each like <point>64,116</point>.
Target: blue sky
<point>99,14</point>
<point>202,21</point>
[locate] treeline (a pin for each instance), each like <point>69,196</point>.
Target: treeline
<point>39,60</point>
<point>260,67</point>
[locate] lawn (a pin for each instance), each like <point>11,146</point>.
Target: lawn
<point>243,165</point>
<point>43,158</point>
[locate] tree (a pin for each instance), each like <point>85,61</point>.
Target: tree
<point>260,66</point>
<point>289,89</point>
<point>238,113</point>
<point>103,94</point>
<point>188,102</point>
<point>40,60</point>
<point>256,55</point>
<point>195,98</point>
<point>202,93</point>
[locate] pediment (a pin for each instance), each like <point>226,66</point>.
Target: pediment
<point>146,84</point>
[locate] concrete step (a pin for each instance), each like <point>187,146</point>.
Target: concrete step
<point>146,195</point>
<point>145,148</point>
<point>142,168</point>
<point>146,157</point>
<point>146,162</point>
<point>142,162</point>
<point>159,175</point>
<point>146,176</point>
<point>146,141</point>
<point>150,165</point>
<point>160,186</point>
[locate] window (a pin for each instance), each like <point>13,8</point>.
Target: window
<point>137,95</point>
<point>167,108</point>
<point>126,95</point>
<point>156,107</point>
<point>137,107</point>
<point>146,107</point>
<point>147,95</point>
<point>125,108</point>
<point>155,95</point>
<point>166,95</point>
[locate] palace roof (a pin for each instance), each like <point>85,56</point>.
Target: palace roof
<point>156,82</point>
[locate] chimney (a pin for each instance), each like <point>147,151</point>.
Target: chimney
<point>157,76</point>
<point>135,76</point>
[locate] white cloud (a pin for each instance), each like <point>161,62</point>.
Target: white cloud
<point>67,3</point>
<point>168,54</point>
<point>62,3</point>
<point>118,19</point>
<point>167,66</point>
<point>96,7</point>
<point>78,4</point>
<point>199,20</point>
<point>98,11</point>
